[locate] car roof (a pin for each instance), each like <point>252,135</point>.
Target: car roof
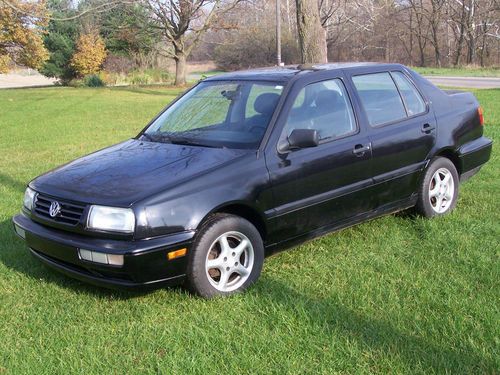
<point>286,73</point>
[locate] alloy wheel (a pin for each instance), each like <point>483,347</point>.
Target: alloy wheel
<point>441,190</point>
<point>229,261</point>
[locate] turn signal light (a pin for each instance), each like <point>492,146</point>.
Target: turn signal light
<point>481,116</point>
<point>176,254</point>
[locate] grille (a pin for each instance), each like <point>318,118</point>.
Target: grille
<point>70,214</point>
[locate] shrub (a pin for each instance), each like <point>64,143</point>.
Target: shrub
<point>75,82</point>
<point>140,78</point>
<point>90,54</point>
<point>148,76</point>
<point>158,76</point>
<point>93,81</point>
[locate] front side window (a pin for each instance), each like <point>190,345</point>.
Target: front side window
<point>380,98</point>
<point>259,96</point>
<point>218,114</point>
<point>414,102</point>
<point>323,106</point>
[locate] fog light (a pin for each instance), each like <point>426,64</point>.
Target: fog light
<point>20,232</point>
<point>102,258</point>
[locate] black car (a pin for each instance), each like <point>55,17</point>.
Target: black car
<point>248,163</point>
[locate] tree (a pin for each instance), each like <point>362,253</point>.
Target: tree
<point>183,23</point>
<point>90,54</point>
<point>421,27</point>
<point>21,24</point>
<point>254,47</point>
<point>60,39</point>
<point>245,42</point>
<point>312,36</point>
<point>128,31</point>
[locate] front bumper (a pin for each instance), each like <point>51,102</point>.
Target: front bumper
<point>145,261</point>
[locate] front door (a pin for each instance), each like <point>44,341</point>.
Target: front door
<point>317,187</point>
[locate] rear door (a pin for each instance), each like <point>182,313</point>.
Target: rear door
<point>316,187</point>
<point>401,129</point>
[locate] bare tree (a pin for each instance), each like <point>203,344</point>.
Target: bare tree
<point>312,35</point>
<point>182,23</point>
<point>434,18</point>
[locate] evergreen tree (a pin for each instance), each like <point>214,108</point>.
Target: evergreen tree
<point>60,41</point>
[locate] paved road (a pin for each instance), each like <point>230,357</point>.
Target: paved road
<point>466,82</point>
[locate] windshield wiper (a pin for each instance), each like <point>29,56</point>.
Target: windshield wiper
<point>158,137</point>
<point>149,137</point>
<point>189,142</point>
<point>170,138</point>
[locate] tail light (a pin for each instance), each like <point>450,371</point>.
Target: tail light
<point>481,116</point>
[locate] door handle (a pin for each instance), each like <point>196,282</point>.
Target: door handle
<point>359,149</point>
<point>427,128</point>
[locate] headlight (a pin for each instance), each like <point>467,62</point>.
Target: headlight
<point>29,198</point>
<point>111,219</point>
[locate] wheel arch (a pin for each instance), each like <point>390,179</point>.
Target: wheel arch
<point>243,210</point>
<point>452,155</point>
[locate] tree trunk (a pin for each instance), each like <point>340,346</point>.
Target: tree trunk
<point>484,46</point>
<point>421,50</point>
<point>437,52</point>
<point>288,20</point>
<point>460,44</point>
<point>180,68</point>
<point>312,36</point>
<point>471,49</point>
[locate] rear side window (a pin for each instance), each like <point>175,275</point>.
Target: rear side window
<point>414,102</point>
<point>380,98</point>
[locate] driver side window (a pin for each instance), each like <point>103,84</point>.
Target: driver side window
<point>325,107</point>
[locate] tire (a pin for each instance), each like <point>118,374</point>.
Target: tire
<point>438,191</point>
<point>226,257</point>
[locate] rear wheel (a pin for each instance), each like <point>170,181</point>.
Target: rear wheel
<point>438,192</point>
<point>226,257</point>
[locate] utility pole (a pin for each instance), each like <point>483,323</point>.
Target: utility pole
<point>278,32</point>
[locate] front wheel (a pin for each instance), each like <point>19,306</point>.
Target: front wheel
<point>226,257</point>
<point>438,191</point>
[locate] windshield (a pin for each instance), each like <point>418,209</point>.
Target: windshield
<point>218,114</point>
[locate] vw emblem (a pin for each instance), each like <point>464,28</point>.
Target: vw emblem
<point>55,209</point>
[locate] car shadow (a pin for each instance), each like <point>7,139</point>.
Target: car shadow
<point>15,255</point>
<point>381,335</point>
<point>10,183</point>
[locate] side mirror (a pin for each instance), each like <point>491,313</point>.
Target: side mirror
<point>299,138</point>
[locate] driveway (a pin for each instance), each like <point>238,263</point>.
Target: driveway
<point>466,82</point>
<point>24,78</point>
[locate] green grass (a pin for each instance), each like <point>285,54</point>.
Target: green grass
<point>459,72</point>
<point>397,294</point>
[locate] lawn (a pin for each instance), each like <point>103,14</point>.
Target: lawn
<point>398,294</point>
<point>459,72</point>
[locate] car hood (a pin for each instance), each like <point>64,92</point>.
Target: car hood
<point>130,171</point>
